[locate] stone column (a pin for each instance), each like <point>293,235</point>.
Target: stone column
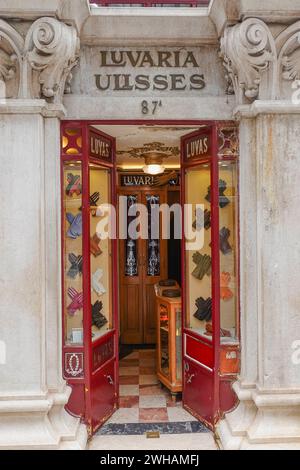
<point>268,415</point>
<point>32,391</point>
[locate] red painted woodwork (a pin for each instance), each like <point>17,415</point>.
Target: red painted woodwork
<point>91,368</point>
<point>206,394</point>
<point>200,351</point>
<point>152,3</point>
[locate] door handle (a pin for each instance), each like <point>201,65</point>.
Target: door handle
<point>109,379</point>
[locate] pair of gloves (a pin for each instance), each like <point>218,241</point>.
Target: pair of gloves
<point>97,286</point>
<point>223,200</point>
<point>94,245</point>
<point>225,292</point>
<point>75,229</point>
<point>74,185</point>
<point>98,319</point>
<point>204,309</point>
<point>225,246</point>
<point>93,201</point>
<point>202,219</point>
<point>203,267</point>
<point>76,265</point>
<point>77,301</point>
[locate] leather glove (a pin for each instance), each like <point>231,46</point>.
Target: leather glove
<point>94,198</point>
<point>203,267</point>
<point>223,200</point>
<point>204,309</point>
<point>223,333</point>
<point>98,319</point>
<point>77,301</point>
<point>225,292</point>
<point>76,265</point>
<point>75,229</point>
<point>97,286</point>
<point>225,246</point>
<point>74,185</point>
<point>94,245</point>
<point>200,217</point>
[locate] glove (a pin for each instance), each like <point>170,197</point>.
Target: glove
<point>223,200</point>
<point>204,307</point>
<point>203,267</point>
<point>74,185</point>
<point>98,319</point>
<point>94,198</point>
<point>75,229</point>
<point>209,331</point>
<point>76,265</point>
<point>226,293</point>
<point>94,245</point>
<point>97,286</point>
<point>198,222</point>
<point>77,301</point>
<point>225,246</point>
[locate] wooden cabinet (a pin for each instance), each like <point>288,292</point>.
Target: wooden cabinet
<point>169,347</point>
<point>143,262</point>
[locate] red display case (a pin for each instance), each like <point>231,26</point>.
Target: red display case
<point>89,273</point>
<point>211,346</point>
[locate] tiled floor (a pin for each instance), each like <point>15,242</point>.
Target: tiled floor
<point>142,398</point>
<point>145,405</point>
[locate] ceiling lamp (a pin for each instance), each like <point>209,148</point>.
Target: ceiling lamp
<point>153,163</point>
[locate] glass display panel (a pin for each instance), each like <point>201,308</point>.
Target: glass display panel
<point>131,246</point>
<point>153,244</point>
<point>164,340</point>
<point>228,250</point>
<point>100,254</point>
<point>199,262</point>
<point>178,344</point>
<point>73,260</point>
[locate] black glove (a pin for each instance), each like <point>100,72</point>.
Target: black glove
<point>76,265</point>
<point>94,198</point>
<point>223,200</point>
<point>204,309</point>
<point>225,246</point>
<point>203,267</point>
<point>198,222</point>
<point>98,319</point>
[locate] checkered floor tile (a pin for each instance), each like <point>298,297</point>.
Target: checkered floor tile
<point>142,398</point>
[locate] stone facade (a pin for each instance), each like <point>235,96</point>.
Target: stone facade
<point>260,51</point>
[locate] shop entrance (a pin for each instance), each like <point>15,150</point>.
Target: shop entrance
<point>115,288</point>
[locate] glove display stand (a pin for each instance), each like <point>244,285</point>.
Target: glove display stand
<point>89,304</point>
<point>169,338</point>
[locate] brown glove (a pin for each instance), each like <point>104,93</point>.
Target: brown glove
<point>94,245</point>
<point>203,267</point>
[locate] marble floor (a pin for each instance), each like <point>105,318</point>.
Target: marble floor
<point>145,405</point>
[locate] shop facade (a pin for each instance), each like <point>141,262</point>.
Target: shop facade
<point>226,79</point>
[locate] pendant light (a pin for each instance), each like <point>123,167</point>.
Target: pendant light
<point>153,163</point>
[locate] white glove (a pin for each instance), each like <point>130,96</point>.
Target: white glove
<point>97,286</point>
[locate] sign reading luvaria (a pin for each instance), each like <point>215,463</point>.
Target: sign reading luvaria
<point>166,70</point>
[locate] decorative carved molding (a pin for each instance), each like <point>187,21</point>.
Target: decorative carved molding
<point>250,53</point>
<point>11,48</point>
<point>41,65</point>
<point>52,50</point>
<point>247,50</point>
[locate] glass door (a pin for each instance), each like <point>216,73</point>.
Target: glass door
<point>210,280</point>
<point>89,273</point>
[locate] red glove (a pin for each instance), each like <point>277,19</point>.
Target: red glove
<point>226,292</point>
<point>77,301</point>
